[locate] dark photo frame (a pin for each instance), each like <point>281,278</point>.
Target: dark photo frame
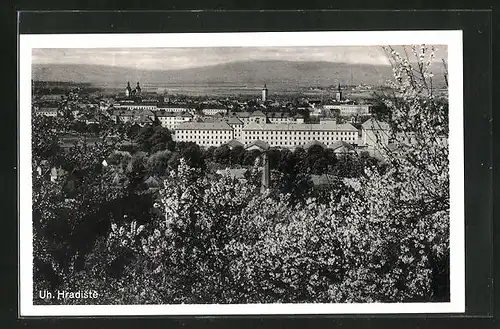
<point>476,31</point>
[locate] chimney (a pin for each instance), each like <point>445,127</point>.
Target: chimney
<point>265,173</point>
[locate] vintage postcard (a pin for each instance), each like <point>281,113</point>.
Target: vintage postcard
<point>241,173</point>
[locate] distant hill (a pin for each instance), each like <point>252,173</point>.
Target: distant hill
<point>284,74</point>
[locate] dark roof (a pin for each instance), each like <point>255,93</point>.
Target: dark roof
<point>204,126</point>
<point>314,142</point>
<point>243,114</point>
<point>258,114</point>
<point>233,143</point>
<point>339,144</point>
<point>260,144</point>
<point>278,114</point>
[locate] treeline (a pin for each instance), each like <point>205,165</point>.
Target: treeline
<point>61,87</point>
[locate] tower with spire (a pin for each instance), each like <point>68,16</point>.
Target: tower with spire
<point>338,96</point>
<point>138,89</point>
<point>128,90</point>
<point>264,93</point>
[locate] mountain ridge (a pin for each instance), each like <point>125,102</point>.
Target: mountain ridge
<point>271,72</point>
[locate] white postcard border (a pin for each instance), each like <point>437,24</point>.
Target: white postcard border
<point>453,39</point>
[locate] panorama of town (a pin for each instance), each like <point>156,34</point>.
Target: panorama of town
<point>332,194</point>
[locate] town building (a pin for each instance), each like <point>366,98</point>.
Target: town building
<point>284,117</point>
<point>175,108</point>
<point>47,111</point>
<point>214,111</point>
<point>243,116</point>
<point>171,120</point>
<point>295,135</point>
<point>133,116</point>
<point>129,92</point>
<point>204,134</point>
<point>375,134</point>
<point>258,117</point>
<point>349,109</point>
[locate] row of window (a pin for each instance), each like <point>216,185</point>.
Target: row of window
<point>341,133</point>
<point>350,139</point>
<point>203,137</point>
<point>203,132</point>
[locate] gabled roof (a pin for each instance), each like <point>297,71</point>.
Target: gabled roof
<point>338,144</point>
<point>143,119</point>
<point>257,114</point>
<point>243,114</point>
<point>233,143</point>
<point>328,126</point>
<point>233,120</point>
<point>252,126</point>
<point>152,182</point>
<point>163,113</point>
<point>314,142</point>
<point>278,114</point>
<point>260,144</point>
<point>204,126</point>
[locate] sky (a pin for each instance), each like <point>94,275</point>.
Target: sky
<point>181,58</point>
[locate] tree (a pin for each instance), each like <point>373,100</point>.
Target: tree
<point>160,138</point>
<point>236,155</point>
<point>157,163</point>
<point>143,137</point>
<point>250,156</point>
<point>222,155</point>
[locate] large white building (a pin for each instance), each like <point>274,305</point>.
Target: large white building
<point>349,109</point>
<point>171,120</point>
<point>178,108</point>
<point>298,135</point>
<point>47,111</point>
<point>204,134</point>
<point>214,111</point>
<point>284,117</point>
<point>375,134</point>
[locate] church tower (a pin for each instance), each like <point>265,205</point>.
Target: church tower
<point>128,90</point>
<point>138,89</point>
<point>338,96</point>
<point>264,93</point>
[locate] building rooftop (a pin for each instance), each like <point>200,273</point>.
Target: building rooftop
<point>258,114</point>
<point>260,144</point>
<point>233,143</point>
<point>314,142</point>
<point>164,113</point>
<point>301,126</point>
<point>339,144</point>
<point>204,126</point>
<point>243,114</point>
<point>278,114</point>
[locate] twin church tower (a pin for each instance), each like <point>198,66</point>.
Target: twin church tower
<point>129,92</point>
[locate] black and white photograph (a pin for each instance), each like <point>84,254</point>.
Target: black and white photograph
<point>242,173</point>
